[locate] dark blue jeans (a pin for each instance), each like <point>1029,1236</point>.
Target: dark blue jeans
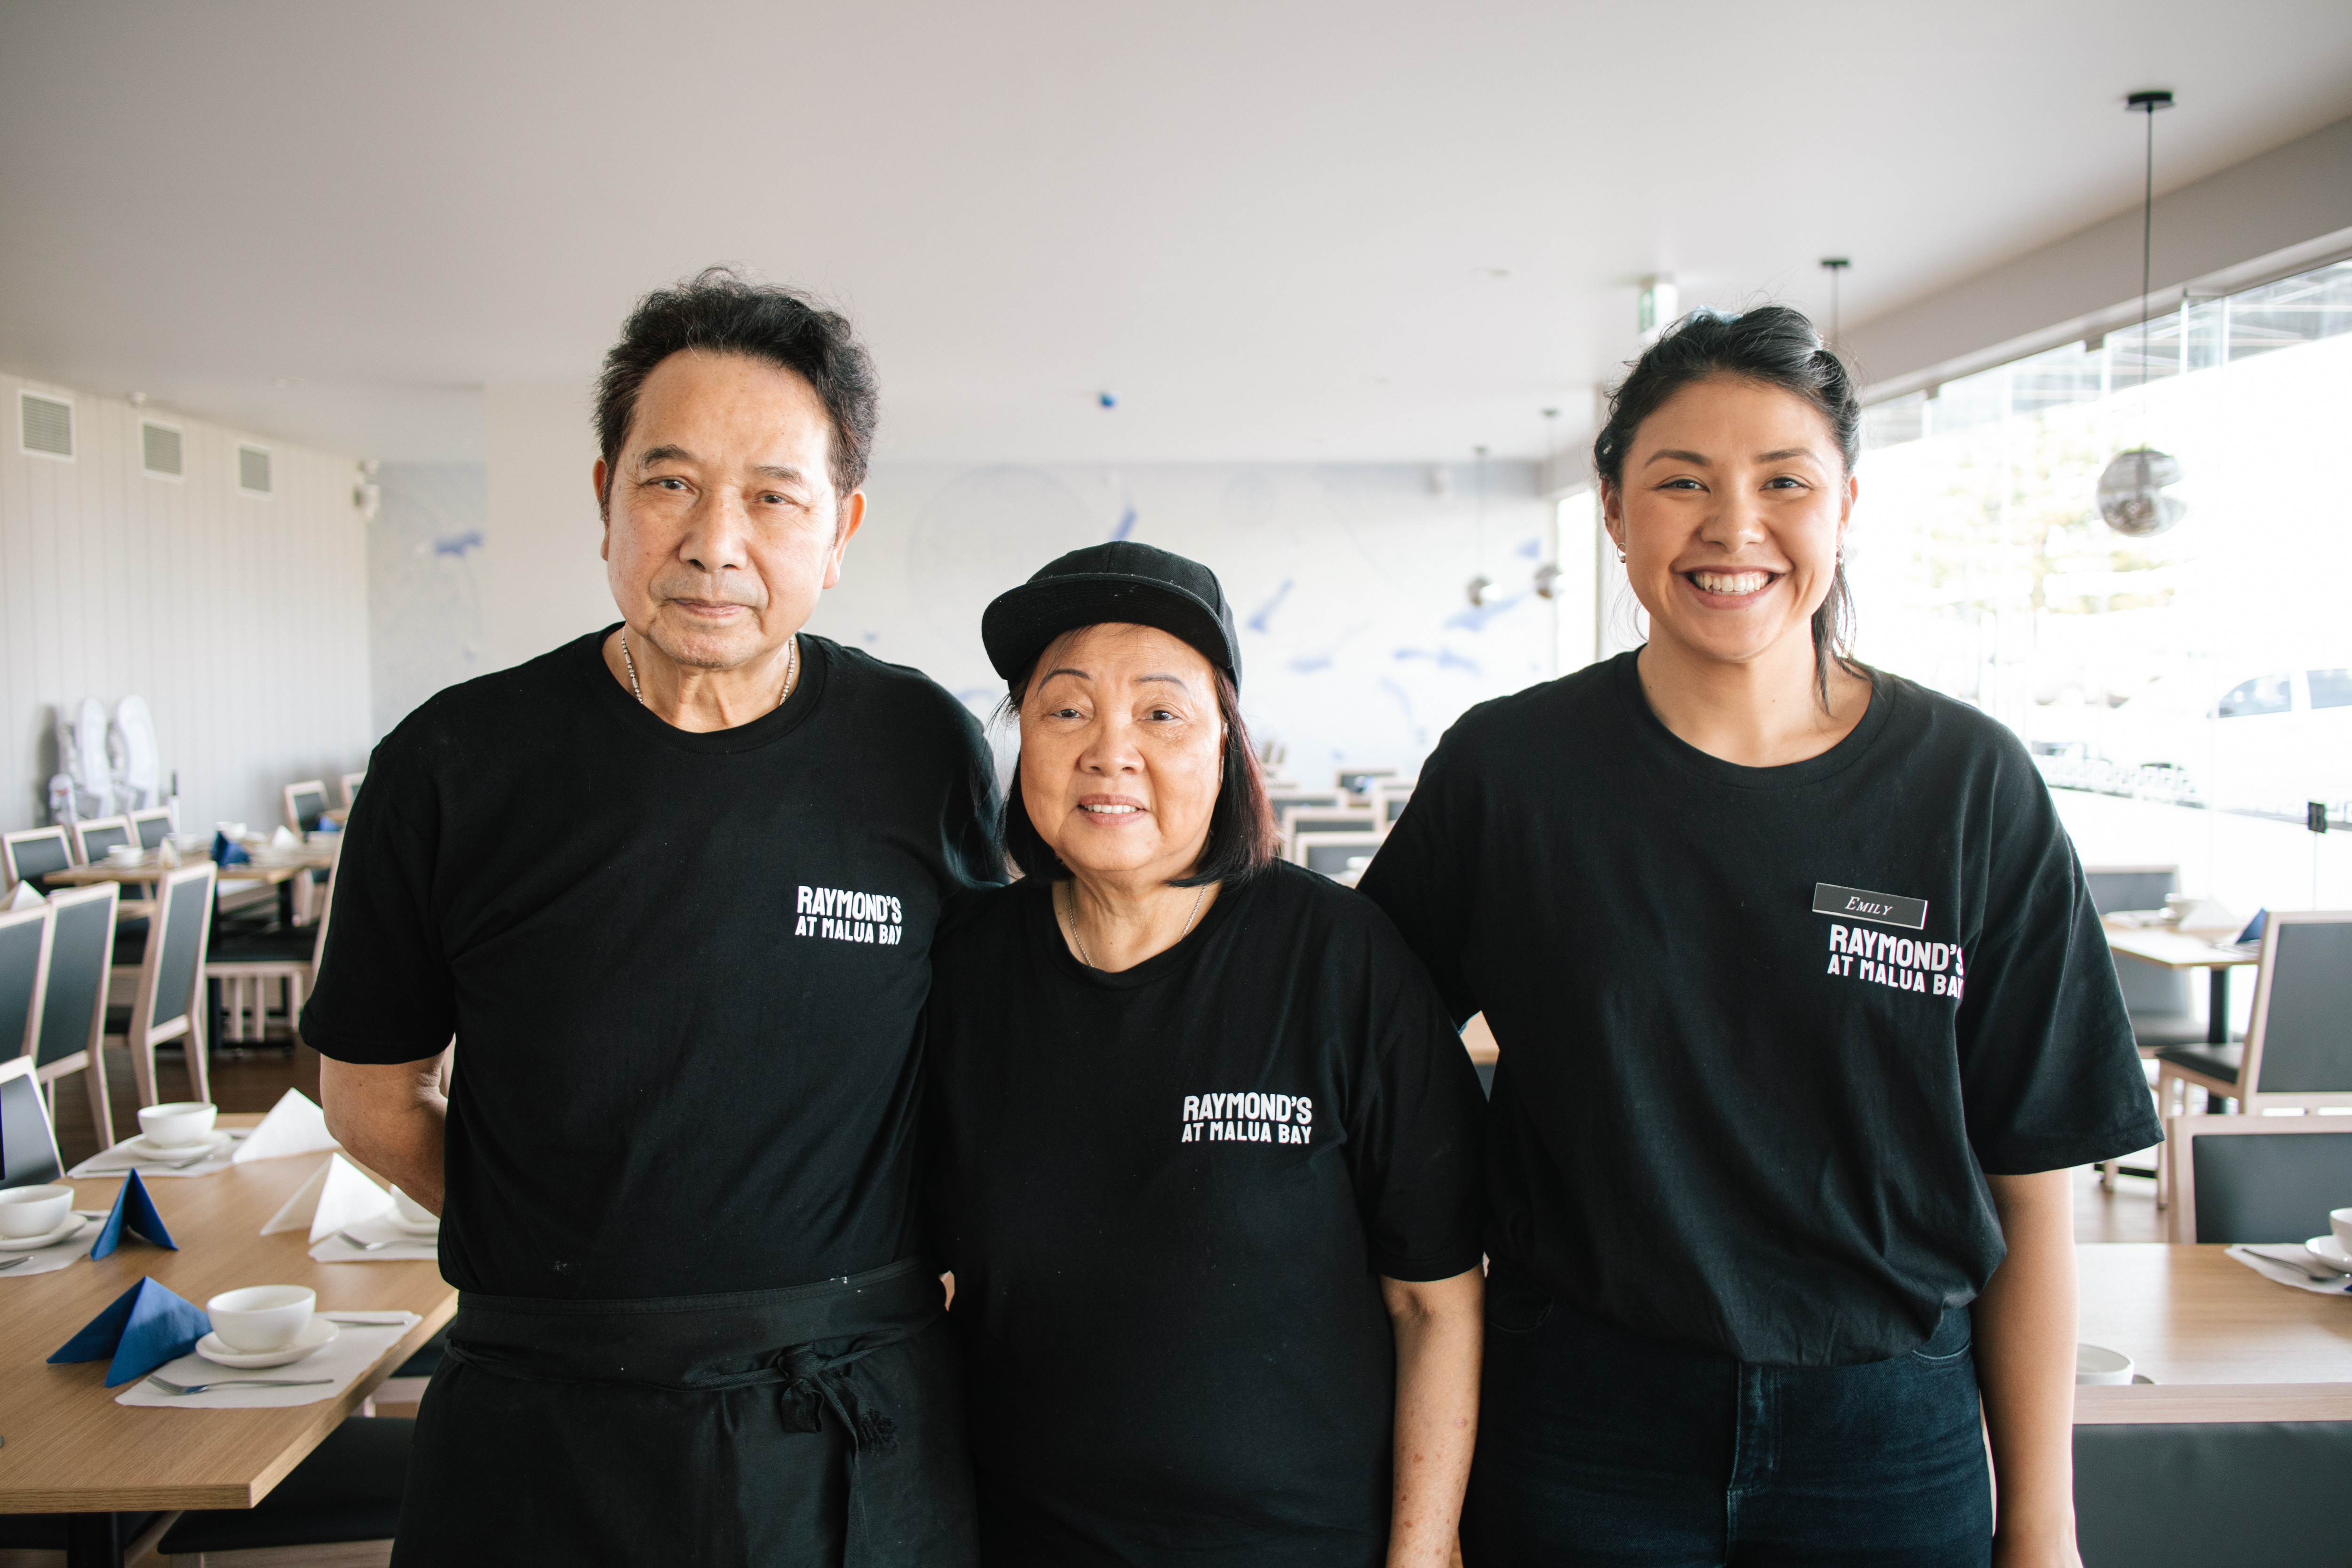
<point>1599,1447</point>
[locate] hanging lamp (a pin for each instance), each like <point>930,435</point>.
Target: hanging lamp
<point>2135,492</point>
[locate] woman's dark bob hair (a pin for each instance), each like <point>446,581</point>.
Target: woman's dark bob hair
<point>1243,838</point>
<point>1773,346</point>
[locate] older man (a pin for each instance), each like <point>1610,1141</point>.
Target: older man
<point>672,886</point>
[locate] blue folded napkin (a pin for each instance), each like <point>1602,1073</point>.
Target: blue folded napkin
<point>227,854</point>
<point>134,1212</point>
<point>144,1327</point>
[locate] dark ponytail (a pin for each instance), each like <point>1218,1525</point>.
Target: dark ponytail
<point>1776,346</point>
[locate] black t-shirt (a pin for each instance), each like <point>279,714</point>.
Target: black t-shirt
<point>1763,1029</point>
<point>1166,1193</point>
<point>686,972</point>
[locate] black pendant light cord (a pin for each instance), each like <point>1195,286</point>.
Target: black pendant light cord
<point>2146,103</point>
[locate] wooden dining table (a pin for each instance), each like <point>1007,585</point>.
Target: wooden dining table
<point>283,867</point>
<point>2169,948</point>
<point>66,1446</point>
<point>2219,1341</point>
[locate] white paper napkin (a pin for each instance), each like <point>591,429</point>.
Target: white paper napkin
<point>358,1347</point>
<point>282,838</point>
<point>25,897</point>
<point>2288,1274</point>
<point>122,1158</point>
<point>337,1195</point>
<point>405,1245</point>
<point>56,1256</point>
<point>295,1125</point>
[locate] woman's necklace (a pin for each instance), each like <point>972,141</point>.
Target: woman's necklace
<point>1070,919</point>
<point>791,671</point>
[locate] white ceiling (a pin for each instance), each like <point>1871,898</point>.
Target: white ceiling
<point>1280,232</point>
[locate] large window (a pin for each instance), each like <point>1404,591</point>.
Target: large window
<point>2207,670</point>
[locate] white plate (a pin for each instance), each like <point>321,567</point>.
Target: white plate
<point>33,1243</point>
<point>316,1335</point>
<point>145,1148</point>
<point>429,1227</point>
<point>2328,1250</point>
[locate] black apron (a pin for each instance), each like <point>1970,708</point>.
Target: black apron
<point>819,1425</point>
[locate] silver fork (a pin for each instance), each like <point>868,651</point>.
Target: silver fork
<point>170,1387</point>
<point>364,1245</point>
<point>15,1262</point>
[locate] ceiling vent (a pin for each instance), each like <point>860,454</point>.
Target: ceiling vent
<point>253,469</point>
<point>159,449</point>
<point>44,425</point>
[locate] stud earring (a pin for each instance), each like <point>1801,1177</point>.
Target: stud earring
<point>1621,558</point>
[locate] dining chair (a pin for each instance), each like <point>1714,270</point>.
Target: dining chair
<point>169,1005</point>
<point>29,1140</point>
<point>304,802</point>
<point>2157,999</point>
<point>23,970</point>
<point>1301,819</point>
<point>352,788</point>
<point>1389,799</point>
<point>2298,1053</point>
<point>73,999</point>
<point>1331,854</point>
<point>94,837</point>
<point>1283,800</point>
<point>152,826</point>
<point>245,963</point>
<point>31,853</point>
<point>2258,1178</point>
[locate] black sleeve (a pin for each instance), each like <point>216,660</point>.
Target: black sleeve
<point>1414,1124</point>
<point>384,991</point>
<point>2049,1076</point>
<point>1421,874</point>
<point>969,828</point>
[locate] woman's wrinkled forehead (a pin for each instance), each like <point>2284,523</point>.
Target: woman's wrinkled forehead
<point>1125,653</point>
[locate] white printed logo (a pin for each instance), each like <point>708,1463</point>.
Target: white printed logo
<point>839,915</point>
<point>1930,968</point>
<point>1247,1118</point>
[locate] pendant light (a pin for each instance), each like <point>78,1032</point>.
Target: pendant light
<point>1479,582</point>
<point>1835,266</point>
<point>2135,492</point>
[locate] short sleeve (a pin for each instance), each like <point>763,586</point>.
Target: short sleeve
<point>1413,1128</point>
<point>969,828</point>
<point>1419,876</point>
<point>384,991</point>
<point>2049,1075</point>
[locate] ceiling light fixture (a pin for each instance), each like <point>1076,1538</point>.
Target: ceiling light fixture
<point>1835,266</point>
<point>1479,582</point>
<point>2134,489</point>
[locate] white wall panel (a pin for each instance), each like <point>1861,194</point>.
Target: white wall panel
<point>243,621</point>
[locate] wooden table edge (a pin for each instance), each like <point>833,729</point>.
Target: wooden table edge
<point>2161,1404</point>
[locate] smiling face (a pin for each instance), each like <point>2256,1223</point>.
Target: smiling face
<point>722,525</point>
<point>1730,510</point>
<point>1122,751</point>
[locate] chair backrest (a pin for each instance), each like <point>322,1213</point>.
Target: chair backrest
<point>81,950</point>
<point>2259,1178</point>
<point>152,826</point>
<point>93,838</point>
<point>352,788</point>
<point>1389,802</point>
<point>2115,888</point>
<point>1330,854</point>
<point>28,1144</point>
<point>177,935</point>
<point>1328,799</point>
<point>1318,819</point>
<point>2299,1039</point>
<point>304,802</point>
<point>23,965</point>
<point>29,855</point>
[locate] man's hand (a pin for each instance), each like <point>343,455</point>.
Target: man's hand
<point>391,1118</point>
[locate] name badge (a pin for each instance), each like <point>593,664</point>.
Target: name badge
<point>1861,904</point>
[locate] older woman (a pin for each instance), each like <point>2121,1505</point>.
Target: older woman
<point>1804,1014</point>
<point>1204,1157</point>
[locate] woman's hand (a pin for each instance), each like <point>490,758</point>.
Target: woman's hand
<point>2025,1333</point>
<point>1440,1328</point>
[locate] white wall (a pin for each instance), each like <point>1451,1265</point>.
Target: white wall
<point>242,621</point>
<point>542,582</point>
<point>425,623</point>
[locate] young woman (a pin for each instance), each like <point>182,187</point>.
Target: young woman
<point>1205,1156</point>
<point>1804,1013</point>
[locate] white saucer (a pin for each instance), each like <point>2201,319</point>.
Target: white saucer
<point>2330,1251</point>
<point>316,1335</point>
<point>74,1222</point>
<point>427,1227</point>
<point>146,1148</point>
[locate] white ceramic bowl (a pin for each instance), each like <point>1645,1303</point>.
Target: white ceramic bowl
<point>177,1123</point>
<point>32,1211</point>
<point>2096,1364</point>
<point>192,843</point>
<point>2340,1222</point>
<point>235,830</point>
<point>261,1317</point>
<point>125,854</point>
<point>410,1210</point>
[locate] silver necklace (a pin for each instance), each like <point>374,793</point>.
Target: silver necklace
<point>1070,919</point>
<point>791,671</point>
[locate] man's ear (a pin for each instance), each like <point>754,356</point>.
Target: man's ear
<point>851,518</point>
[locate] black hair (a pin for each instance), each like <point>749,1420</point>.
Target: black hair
<point>1774,345</point>
<point>720,311</point>
<point>1243,838</point>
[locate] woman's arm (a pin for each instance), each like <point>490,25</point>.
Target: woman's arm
<point>2025,1329</point>
<point>1440,1331</point>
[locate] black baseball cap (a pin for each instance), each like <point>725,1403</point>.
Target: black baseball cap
<point>1121,581</point>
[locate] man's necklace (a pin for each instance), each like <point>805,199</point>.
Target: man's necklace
<point>792,672</point>
<point>1070,919</point>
